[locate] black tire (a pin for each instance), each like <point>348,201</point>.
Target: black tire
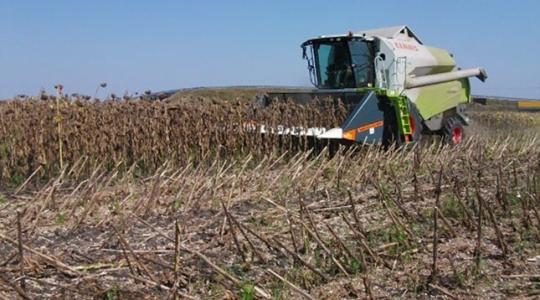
<point>391,137</point>
<point>453,132</point>
<point>416,124</point>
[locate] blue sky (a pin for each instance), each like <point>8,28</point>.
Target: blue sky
<point>157,45</point>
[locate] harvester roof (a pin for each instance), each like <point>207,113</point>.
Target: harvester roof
<point>401,32</point>
<point>396,32</point>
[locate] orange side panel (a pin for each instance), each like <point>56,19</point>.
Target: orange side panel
<point>370,125</point>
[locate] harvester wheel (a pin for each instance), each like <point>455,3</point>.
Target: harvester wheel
<point>453,133</point>
<point>391,137</point>
<point>416,125</point>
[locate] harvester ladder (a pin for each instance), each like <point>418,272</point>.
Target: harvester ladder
<point>403,116</point>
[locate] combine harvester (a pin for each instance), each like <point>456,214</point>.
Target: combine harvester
<point>395,88</point>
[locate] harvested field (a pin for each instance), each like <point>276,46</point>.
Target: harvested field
<point>147,206</point>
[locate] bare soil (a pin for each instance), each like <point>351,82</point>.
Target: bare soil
<point>420,222</point>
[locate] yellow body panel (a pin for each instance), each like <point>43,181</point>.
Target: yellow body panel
<point>529,104</point>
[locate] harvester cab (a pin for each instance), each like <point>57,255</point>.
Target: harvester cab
<point>396,87</point>
<point>339,63</point>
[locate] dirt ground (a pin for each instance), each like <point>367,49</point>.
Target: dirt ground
<point>431,221</point>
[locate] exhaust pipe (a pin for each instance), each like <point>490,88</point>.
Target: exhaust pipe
<point>420,81</point>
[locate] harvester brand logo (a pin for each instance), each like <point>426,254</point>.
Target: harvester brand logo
<point>406,46</point>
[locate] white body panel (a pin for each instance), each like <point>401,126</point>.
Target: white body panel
<point>404,60</point>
